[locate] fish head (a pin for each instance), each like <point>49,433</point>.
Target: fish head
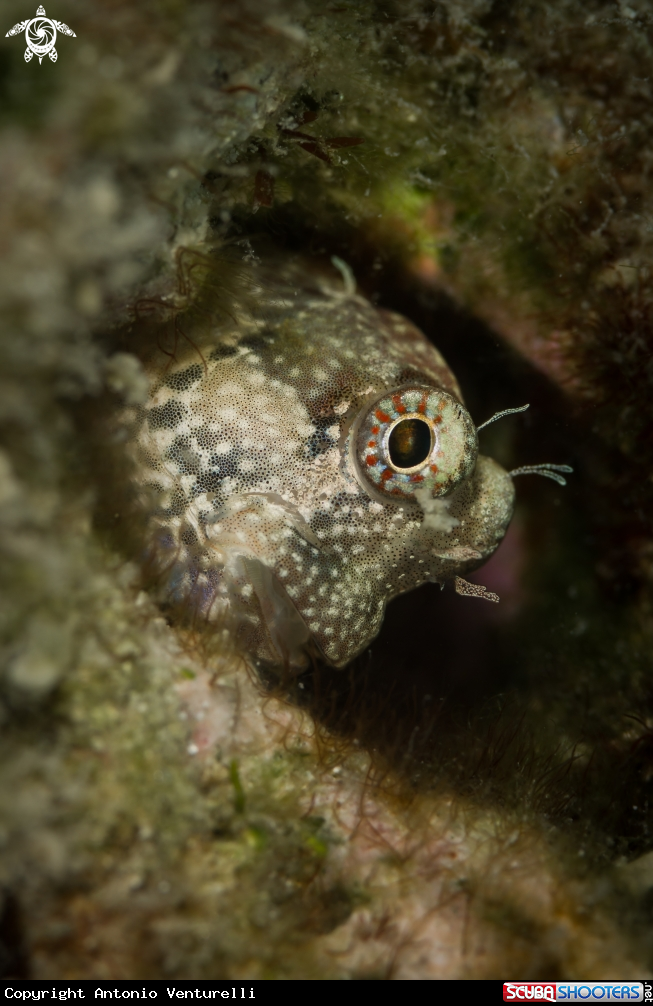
<point>306,464</point>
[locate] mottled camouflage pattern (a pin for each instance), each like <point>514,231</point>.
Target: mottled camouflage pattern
<point>260,513</point>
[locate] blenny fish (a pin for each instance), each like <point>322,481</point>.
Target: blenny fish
<point>306,462</point>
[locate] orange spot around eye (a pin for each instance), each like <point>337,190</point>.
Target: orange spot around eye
<point>438,419</point>
<point>381,416</point>
<point>375,429</point>
<point>371,460</point>
<point>371,443</point>
<point>422,405</point>
<point>416,478</point>
<point>434,469</point>
<point>398,404</point>
<point>441,405</point>
<point>387,474</point>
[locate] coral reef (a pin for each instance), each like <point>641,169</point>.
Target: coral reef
<point>469,798</point>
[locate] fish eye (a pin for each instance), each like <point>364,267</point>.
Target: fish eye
<point>410,438</point>
<point>409,444</point>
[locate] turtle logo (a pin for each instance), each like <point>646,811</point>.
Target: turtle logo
<point>40,35</point>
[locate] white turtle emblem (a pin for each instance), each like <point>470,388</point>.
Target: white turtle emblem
<point>40,35</point>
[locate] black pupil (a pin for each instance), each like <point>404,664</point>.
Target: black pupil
<point>409,443</point>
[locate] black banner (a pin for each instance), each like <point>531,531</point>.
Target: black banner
<point>160,990</point>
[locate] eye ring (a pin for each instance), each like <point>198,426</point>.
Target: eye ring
<point>438,464</point>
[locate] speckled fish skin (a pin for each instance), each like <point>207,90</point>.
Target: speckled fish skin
<point>262,517</point>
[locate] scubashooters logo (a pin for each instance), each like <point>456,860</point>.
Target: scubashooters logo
<point>40,35</point>
<point>573,992</point>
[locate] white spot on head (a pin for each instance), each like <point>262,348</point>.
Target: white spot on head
<point>228,414</point>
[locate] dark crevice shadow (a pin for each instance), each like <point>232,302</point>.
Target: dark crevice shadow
<point>14,962</point>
